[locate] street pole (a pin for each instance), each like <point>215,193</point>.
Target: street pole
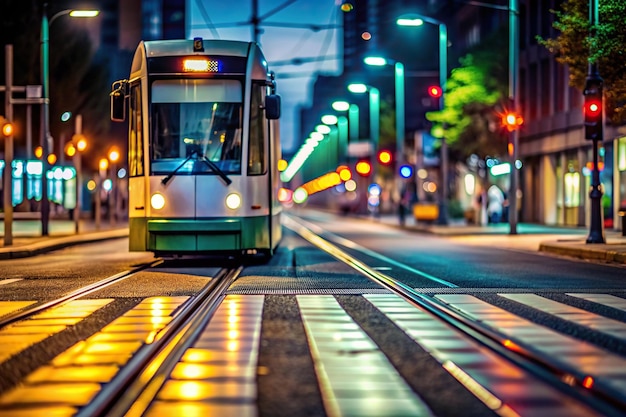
<point>8,149</point>
<point>513,98</point>
<point>45,122</point>
<point>443,75</point>
<point>399,85</point>
<point>374,96</point>
<point>78,130</point>
<point>596,231</point>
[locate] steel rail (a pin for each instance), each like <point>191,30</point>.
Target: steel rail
<point>569,380</point>
<point>80,292</point>
<point>134,387</point>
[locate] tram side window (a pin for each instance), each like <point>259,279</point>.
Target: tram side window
<point>258,132</point>
<point>135,144</point>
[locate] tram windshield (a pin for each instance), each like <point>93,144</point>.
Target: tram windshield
<point>202,118</point>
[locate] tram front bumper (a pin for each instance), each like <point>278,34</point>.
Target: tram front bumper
<point>180,236</point>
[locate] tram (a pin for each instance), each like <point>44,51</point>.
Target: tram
<point>203,148</point>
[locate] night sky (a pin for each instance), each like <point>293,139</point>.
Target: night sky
<point>218,19</point>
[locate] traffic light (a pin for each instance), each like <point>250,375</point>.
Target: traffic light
<point>512,120</point>
<point>592,109</point>
<point>7,127</point>
<point>434,91</point>
<point>385,157</point>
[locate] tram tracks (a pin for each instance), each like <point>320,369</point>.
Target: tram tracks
<point>568,379</point>
<point>132,390</point>
<point>73,295</point>
<point>138,380</point>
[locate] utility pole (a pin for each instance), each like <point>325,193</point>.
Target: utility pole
<point>8,149</point>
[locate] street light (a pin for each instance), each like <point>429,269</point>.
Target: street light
<point>374,97</point>
<point>399,92</point>
<point>342,134</point>
<point>353,117</point>
<point>46,140</point>
<point>418,20</point>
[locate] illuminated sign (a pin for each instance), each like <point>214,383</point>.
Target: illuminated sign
<point>200,65</point>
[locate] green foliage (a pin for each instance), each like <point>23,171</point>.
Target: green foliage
<point>574,47</point>
<point>470,117</point>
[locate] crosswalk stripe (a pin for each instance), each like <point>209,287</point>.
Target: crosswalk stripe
<point>605,299</point>
<point>572,314</point>
<point>584,356</point>
<point>355,377</point>
<point>9,281</point>
<point>508,386</point>
<point>8,307</point>
<point>19,336</point>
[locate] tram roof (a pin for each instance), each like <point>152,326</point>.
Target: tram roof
<point>185,47</point>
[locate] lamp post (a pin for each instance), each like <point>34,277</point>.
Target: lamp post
<point>399,93</point>
<point>46,140</point>
<point>418,20</point>
<point>342,134</point>
<point>353,117</point>
<point>374,98</point>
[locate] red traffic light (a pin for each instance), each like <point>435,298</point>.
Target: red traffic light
<point>434,91</point>
<point>593,108</point>
<point>385,157</point>
<point>512,120</point>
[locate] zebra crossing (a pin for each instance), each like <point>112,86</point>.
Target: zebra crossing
<point>354,372</point>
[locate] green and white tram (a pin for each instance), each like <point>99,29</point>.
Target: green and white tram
<point>203,148</point>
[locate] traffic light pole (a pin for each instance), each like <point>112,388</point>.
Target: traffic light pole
<point>594,89</point>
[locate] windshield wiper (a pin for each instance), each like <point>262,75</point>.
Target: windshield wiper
<point>217,169</point>
<point>169,176</point>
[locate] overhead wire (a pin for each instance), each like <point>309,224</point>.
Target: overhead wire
<point>207,19</point>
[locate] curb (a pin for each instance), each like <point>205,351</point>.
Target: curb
<point>53,244</point>
<point>603,254</point>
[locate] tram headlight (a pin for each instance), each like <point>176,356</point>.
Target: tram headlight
<point>157,201</point>
<point>233,201</point>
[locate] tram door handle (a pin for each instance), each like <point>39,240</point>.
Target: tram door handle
<point>140,208</point>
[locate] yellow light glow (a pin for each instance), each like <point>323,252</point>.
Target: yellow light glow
<point>114,155</point>
<point>91,185</point>
<point>84,13</point>
<point>81,145</point>
<point>103,164</point>
<point>7,129</point>
<point>282,165</point>
<point>70,150</point>
<point>157,201</point>
<point>200,65</point>
<point>52,158</point>
<point>189,390</point>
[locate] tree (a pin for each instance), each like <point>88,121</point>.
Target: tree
<point>473,99</point>
<point>575,48</point>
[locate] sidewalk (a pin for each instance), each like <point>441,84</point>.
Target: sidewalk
<point>28,241</point>
<point>563,241</point>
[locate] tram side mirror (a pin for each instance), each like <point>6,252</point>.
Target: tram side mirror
<point>118,101</point>
<point>272,106</point>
